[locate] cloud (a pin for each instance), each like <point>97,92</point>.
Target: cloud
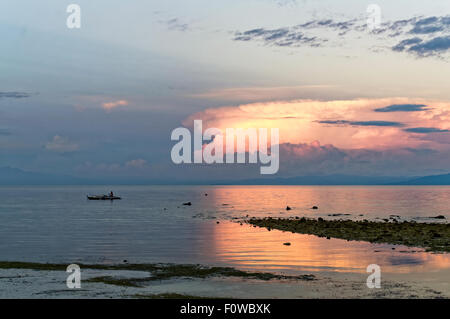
<point>175,24</point>
<point>420,36</point>
<point>394,28</point>
<point>313,158</point>
<point>362,123</point>
<point>347,124</point>
<point>136,163</point>
<point>112,105</point>
<point>402,45</point>
<point>14,95</point>
<point>431,25</point>
<point>105,168</point>
<point>4,132</point>
<point>416,25</point>
<point>402,108</point>
<point>61,145</point>
<point>342,27</point>
<point>253,94</point>
<point>425,130</point>
<point>313,151</point>
<point>432,36</point>
<point>282,3</point>
<point>282,37</point>
<point>431,47</point>
<point>424,48</point>
<point>134,167</point>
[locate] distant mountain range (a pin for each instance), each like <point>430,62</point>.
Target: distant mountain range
<point>321,180</point>
<point>429,180</point>
<point>15,176</point>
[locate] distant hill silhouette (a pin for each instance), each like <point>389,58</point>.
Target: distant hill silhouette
<point>321,180</point>
<point>429,180</point>
<point>15,176</point>
<point>348,180</point>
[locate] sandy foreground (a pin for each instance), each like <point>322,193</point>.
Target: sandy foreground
<point>27,283</point>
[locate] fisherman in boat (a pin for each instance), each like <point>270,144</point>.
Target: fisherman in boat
<point>110,196</point>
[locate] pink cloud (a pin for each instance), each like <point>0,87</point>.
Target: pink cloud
<point>346,124</point>
<point>111,105</point>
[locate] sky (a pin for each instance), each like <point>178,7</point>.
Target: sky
<point>102,100</point>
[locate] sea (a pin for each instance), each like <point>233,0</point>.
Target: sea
<point>150,224</point>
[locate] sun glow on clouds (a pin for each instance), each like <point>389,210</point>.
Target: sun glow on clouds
<point>108,103</point>
<point>347,124</point>
<point>112,105</point>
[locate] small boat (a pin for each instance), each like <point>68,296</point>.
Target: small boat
<point>103,197</point>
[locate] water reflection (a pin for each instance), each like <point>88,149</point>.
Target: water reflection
<point>258,248</point>
<point>58,224</point>
<point>370,201</point>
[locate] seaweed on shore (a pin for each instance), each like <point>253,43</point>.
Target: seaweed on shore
<point>165,272</point>
<point>170,296</point>
<point>433,237</point>
<point>109,280</point>
<point>156,272</point>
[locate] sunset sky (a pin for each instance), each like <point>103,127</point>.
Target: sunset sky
<point>102,100</point>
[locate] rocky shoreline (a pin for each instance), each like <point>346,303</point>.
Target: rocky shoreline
<point>434,237</point>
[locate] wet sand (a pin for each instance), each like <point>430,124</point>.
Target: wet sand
<point>31,283</point>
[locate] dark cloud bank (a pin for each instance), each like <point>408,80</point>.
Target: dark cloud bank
<point>425,130</point>
<point>419,36</point>
<point>402,108</point>
<point>14,95</point>
<point>363,123</point>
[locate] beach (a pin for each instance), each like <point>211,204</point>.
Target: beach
<point>28,283</point>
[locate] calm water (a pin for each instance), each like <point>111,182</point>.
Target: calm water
<point>58,224</point>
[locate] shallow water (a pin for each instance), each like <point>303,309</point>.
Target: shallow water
<point>58,224</point>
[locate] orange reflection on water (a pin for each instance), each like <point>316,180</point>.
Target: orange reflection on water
<point>370,201</point>
<point>257,248</point>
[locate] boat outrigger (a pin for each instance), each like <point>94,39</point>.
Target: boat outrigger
<point>104,197</point>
